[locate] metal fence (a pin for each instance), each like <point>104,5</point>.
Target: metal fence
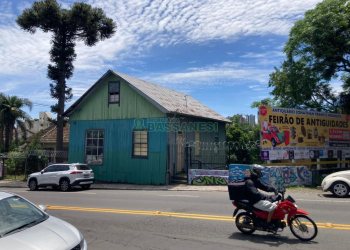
<point>18,165</point>
<point>215,155</point>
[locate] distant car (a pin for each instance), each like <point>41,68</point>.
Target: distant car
<point>338,183</point>
<point>26,226</point>
<point>62,176</point>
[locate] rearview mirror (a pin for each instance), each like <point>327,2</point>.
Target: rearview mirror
<point>42,171</point>
<point>42,207</point>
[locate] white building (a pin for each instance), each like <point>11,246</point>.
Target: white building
<point>37,125</point>
<point>247,119</point>
<point>251,119</point>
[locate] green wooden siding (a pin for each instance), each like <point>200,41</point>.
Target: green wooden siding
<point>132,105</point>
<point>118,164</point>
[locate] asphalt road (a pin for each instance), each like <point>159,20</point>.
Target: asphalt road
<point>145,220</point>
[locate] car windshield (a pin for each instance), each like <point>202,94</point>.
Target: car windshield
<point>17,214</point>
<point>82,167</point>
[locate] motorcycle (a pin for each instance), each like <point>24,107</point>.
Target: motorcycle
<point>297,219</point>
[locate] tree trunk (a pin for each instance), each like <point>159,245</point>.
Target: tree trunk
<point>60,118</point>
<point>1,138</point>
<point>61,87</point>
<point>8,136</point>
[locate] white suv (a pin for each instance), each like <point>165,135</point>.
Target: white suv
<point>62,176</point>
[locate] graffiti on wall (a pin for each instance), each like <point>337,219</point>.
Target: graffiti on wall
<point>207,177</point>
<point>209,180</point>
<point>277,176</point>
<point>289,176</point>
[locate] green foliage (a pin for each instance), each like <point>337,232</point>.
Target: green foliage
<point>295,85</point>
<point>243,142</point>
<point>12,115</point>
<point>79,23</point>
<point>26,160</point>
<point>317,52</point>
<point>15,162</point>
<point>267,102</point>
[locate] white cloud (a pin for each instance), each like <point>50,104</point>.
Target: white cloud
<point>227,73</point>
<point>23,52</point>
<point>198,20</point>
<point>263,55</point>
<point>145,23</point>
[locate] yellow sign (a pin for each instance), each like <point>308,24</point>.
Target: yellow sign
<point>293,129</point>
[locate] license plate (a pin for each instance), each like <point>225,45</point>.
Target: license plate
<point>86,175</point>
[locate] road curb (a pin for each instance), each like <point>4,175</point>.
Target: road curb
<point>182,187</point>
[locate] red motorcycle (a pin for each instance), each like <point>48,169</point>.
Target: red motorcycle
<point>253,219</point>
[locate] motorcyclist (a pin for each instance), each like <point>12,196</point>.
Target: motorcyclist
<point>260,200</point>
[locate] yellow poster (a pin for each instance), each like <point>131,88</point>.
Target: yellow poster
<point>293,130</point>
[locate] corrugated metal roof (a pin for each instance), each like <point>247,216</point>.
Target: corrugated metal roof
<point>172,101</point>
<point>167,100</point>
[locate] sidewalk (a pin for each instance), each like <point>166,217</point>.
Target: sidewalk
<point>116,186</point>
<point>175,187</point>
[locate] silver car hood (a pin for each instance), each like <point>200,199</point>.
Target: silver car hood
<point>52,234</point>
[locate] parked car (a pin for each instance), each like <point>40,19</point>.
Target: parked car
<point>62,176</point>
<point>338,183</point>
<point>26,226</point>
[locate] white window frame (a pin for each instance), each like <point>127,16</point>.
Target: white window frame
<point>94,146</point>
<point>140,144</point>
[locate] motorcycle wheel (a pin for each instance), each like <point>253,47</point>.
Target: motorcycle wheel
<point>245,223</point>
<point>303,227</point>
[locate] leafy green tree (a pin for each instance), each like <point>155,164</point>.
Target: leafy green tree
<point>80,22</point>
<point>13,116</point>
<point>295,85</point>
<point>243,140</point>
<point>15,163</point>
<point>267,102</point>
<point>318,51</point>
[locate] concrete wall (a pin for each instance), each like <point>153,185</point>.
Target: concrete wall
<point>276,176</point>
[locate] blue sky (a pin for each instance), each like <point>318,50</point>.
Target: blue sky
<point>221,52</point>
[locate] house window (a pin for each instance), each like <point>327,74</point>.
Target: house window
<point>94,146</point>
<point>140,143</point>
<point>113,92</point>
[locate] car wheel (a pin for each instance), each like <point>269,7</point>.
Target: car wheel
<point>64,185</point>
<point>340,189</point>
<point>33,185</point>
<point>85,186</point>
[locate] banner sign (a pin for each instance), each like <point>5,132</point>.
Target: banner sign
<point>299,134</point>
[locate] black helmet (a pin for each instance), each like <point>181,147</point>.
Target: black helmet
<point>256,171</point>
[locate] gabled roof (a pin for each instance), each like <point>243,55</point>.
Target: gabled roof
<point>50,134</point>
<point>166,100</point>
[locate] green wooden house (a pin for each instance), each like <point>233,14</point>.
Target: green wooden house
<point>132,131</point>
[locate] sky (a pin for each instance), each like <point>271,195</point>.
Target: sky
<point>220,52</point>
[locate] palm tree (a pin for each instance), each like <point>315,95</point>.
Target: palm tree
<point>80,22</point>
<point>12,116</point>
